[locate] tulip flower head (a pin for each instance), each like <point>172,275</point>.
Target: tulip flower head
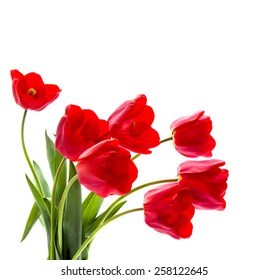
<point>30,92</point>
<point>131,125</point>
<point>106,169</point>
<point>191,135</point>
<point>168,209</point>
<point>78,130</point>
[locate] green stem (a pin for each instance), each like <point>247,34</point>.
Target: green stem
<point>123,213</point>
<point>162,141</point>
<point>52,210</point>
<point>166,139</point>
<point>135,156</point>
<point>144,186</point>
<point>91,236</point>
<point>103,221</point>
<point>27,156</point>
<point>115,203</point>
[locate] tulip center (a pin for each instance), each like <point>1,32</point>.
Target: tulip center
<point>32,92</point>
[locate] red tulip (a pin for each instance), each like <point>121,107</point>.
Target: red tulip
<point>191,135</point>
<point>131,125</point>
<point>168,209</point>
<point>107,169</point>
<point>30,92</point>
<point>78,130</point>
<point>206,181</point>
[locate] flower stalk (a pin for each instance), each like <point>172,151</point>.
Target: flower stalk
<point>27,156</point>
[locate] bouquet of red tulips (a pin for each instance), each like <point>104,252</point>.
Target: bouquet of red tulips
<point>100,155</point>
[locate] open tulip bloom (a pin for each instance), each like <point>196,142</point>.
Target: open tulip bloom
<point>99,155</point>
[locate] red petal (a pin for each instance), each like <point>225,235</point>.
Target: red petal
<point>192,166</point>
<point>186,120</point>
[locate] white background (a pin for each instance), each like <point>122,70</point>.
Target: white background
<point>185,56</point>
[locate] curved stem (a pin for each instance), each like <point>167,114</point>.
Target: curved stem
<point>162,141</point>
<point>52,209</point>
<point>90,238</point>
<point>135,156</point>
<point>146,185</point>
<point>124,213</point>
<point>166,139</point>
<point>115,203</point>
<point>27,156</point>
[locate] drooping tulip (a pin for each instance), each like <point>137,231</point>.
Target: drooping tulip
<point>168,209</point>
<point>191,135</point>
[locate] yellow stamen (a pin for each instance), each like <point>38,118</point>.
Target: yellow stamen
<point>32,92</point>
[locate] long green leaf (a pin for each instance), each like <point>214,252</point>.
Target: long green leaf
<point>42,205</point>
<point>52,155</point>
<point>72,220</point>
<point>91,227</point>
<point>54,160</point>
<point>91,210</point>
<point>86,201</point>
<point>33,217</point>
<point>42,180</point>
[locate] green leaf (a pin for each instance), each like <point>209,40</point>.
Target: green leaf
<point>52,155</point>
<point>91,207</point>
<point>115,210</point>
<point>54,159</point>
<point>86,201</point>
<point>43,182</point>
<point>72,219</point>
<point>33,217</point>
<point>42,205</point>
<point>90,228</point>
